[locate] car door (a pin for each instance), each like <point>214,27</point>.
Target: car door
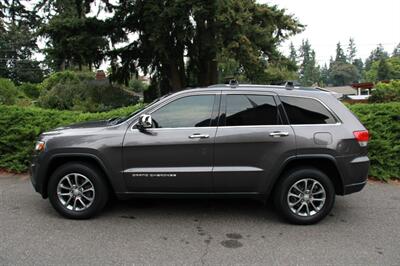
<point>177,154</point>
<point>251,143</point>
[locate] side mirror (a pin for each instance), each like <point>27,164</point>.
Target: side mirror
<point>145,121</point>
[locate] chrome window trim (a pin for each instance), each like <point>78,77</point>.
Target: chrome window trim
<point>307,125</point>
<point>169,128</point>
<point>224,127</point>
<point>255,126</point>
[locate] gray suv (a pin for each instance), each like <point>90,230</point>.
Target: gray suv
<point>299,145</point>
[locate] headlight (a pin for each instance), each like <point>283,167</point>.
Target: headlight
<point>40,145</point>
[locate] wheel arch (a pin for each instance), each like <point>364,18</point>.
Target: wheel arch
<point>325,163</point>
<point>60,159</point>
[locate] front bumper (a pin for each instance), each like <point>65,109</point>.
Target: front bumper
<point>34,171</point>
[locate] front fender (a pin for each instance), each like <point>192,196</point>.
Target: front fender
<point>49,162</point>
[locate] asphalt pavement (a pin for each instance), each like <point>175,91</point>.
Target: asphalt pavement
<point>363,229</point>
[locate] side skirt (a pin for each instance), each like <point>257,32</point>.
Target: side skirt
<point>128,195</point>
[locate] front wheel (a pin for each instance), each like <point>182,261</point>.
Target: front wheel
<point>77,190</point>
<point>304,196</point>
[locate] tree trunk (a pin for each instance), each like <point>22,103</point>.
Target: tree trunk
<point>207,64</point>
<point>175,76</point>
<point>176,65</point>
<point>62,65</point>
<point>213,70</point>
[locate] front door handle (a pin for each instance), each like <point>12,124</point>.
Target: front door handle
<point>277,134</point>
<point>199,136</point>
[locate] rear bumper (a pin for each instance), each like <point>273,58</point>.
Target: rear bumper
<point>354,173</point>
<point>348,189</point>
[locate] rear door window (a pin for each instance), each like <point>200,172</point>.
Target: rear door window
<point>304,111</point>
<point>251,110</point>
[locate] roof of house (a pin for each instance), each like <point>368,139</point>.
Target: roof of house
<point>363,85</point>
<point>345,90</point>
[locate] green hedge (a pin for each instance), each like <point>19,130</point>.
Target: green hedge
<point>383,122</point>
<point>20,126</point>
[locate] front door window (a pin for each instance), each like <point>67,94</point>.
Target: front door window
<point>190,111</point>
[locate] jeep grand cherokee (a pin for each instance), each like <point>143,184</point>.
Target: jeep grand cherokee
<point>299,145</point>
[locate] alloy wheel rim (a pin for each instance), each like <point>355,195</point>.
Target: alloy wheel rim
<point>306,197</point>
<point>75,192</point>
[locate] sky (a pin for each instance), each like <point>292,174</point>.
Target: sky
<point>328,22</point>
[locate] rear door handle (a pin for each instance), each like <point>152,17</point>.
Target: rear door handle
<point>277,134</point>
<point>199,136</point>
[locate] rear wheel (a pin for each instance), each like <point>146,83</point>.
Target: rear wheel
<point>77,191</point>
<point>304,195</point>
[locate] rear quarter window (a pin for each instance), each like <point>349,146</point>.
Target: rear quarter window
<point>304,111</point>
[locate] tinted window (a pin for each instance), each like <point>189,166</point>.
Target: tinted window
<point>306,111</point>
<point>191,111</point>
<point>247,110</point>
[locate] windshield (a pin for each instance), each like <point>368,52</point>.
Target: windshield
<point>118,120</point>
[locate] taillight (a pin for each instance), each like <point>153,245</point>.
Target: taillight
<point>362,136</point>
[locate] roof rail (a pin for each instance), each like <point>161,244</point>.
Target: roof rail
<point>289,85</point>
<point>233,83</point>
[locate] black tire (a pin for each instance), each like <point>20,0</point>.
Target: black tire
<point>96,178</point>
<point>285,184</point>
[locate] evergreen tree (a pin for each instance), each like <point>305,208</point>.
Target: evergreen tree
<point>18,43</point>
<point>292,54</point>
<point>396,51</point>
<point>340,56</point>
<point>377,54</point>
<point>183,46</point>
<point>74,40</point>
<point>341,72</point>
<point>358,63</point>
<point>383,70</point>
<point>324,76</point>
<point>309,72</point>
<point>351,51</point>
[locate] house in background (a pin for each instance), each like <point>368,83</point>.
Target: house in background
<point>363,90</point>
<point>341,92</point>
<point>102,79</point>
<point>353,92</point>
